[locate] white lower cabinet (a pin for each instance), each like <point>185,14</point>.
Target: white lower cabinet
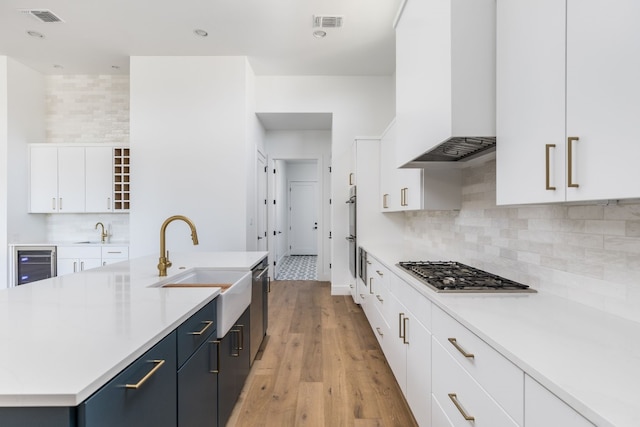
<point>406,343</point>
<point>503,380</point>
<point>463,401</point>
<point>543,409</point>
<point>438,417</point>
<point>111,254</point>
<point>73,259</point>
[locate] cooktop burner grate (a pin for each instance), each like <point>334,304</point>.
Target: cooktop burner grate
<point>451,276</point>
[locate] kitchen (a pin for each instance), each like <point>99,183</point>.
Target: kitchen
<point>583,252</point>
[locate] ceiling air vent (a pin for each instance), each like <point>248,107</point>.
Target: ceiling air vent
<point>42,15</point>
<point>328,21</point>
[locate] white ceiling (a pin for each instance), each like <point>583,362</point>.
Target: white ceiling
<point>276,35</point>
<point>296,121</point>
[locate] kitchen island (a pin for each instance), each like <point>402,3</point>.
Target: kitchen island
<point>64,338</point>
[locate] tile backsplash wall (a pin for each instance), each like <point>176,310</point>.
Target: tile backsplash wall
<point>87,109</point>
<point>69,228</point>
<point>588,253</point>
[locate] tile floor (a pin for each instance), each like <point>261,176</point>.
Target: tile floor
<point>298,267</point>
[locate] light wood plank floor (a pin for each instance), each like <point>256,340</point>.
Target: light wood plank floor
<point>320,365</point>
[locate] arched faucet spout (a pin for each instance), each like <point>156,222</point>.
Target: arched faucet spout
<point>164,262</point>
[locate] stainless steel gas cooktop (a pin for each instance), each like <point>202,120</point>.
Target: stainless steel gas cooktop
<point>451,276</point>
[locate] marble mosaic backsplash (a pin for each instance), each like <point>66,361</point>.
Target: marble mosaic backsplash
<point>588,253</point>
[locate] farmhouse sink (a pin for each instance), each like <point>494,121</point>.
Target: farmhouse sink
<point>235,294</point>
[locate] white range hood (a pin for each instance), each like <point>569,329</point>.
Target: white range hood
<point>445,81</point>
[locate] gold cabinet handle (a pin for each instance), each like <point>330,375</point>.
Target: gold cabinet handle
<point>241,344</point>
<point>379,332</point>
<point>206,326</point>
<point>363,296</point>
<point>404,327</point>
<point>217,370</point>
<point>385,201</point>
<point>108,203</point>
<point>368,262</point>
<point>379,299</point>
<point>400,316</point>
<point>158,364</point>
<point>454,342</point>
<point>547,163</point>
<point>371,285</point>
<point>380,273</point>
<point>53,203</point>
<point>464,414</point>
<point>406,202</point>
<point>351,178</point>
<point>237,331</point>
<point>351,286</point>
<point>570,182</point>
<point>60,204</point>
<point>402,197</point>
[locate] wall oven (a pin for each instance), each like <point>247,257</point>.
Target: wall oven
<point>353,248</point>
<point>33,263</point>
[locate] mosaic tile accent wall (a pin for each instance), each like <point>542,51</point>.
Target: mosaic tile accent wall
<point>588,253</point>
<point>87,109</point>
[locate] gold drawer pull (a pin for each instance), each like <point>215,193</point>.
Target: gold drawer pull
<point>217,370</point>
<point>570,182</point>
<point>379,299</point>
<point>207,324</point>
<point>548,162</point>
<point>385,201</point>
<point>371,285</point>
<point>400,316</point>
<point>362,296</point>
<point>404,327</point>
<point>379,273</point>
<point>464,414</point>
<point>158,365</point>
<point>454,342</point>
<point>379,332</point>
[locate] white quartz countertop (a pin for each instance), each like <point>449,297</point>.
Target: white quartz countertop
<point>65,337</point>
<point>588,358</point>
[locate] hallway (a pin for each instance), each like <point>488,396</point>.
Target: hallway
<point>320,365</point>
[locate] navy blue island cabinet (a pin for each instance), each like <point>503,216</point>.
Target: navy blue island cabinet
<point>175,383</point>
<point>235,363</point>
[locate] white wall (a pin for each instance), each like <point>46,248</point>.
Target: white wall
<point>22,121</point>
<point>189,151</point>
<point>360,106</point>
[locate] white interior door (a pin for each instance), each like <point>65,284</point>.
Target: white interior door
<point>261,174</point>
<point>303,218</point>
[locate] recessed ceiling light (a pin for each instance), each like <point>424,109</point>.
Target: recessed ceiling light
<point>319,34</point>
<point>115,67</point>
<point>201,33</point>
<point>58,66</point>
<point>35,34</point>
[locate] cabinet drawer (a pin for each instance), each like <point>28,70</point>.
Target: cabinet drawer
<point>459,395</point>
<point>195,330</point>
<point>543,408</point>
<point>79,252</point>
<point>153,403</point>
<point>115,252</point>
<point>438,417</point>
<point>416,303</point>
<point>503,380</point>
<point>380,327</point>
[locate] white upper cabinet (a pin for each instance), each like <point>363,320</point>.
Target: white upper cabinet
<point>57,179</point>
<point>445,74</point>
<point>413,188</point>
<point>99,179</point>
<point>567,100</point>
<point>78,178</point>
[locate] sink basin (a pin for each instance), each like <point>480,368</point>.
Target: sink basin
<point>232,301</point>
<point>87,242</point>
